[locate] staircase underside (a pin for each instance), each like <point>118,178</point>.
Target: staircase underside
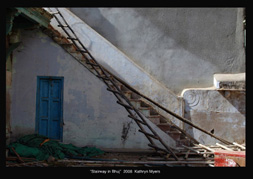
<point>135,104</point>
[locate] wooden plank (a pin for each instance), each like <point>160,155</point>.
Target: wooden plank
<point>134,118</point>
<point>191,149</point>
<point>150,135</point>
<point>224,147</point>
<point>128,150</point>
<point>157,148</point>
<point>23,158</point>
<point>19,158</point>
<point>207,148</point>
<point>125,105</point>
<point>180,159</point>
<point>242,147</point>
<point>187,154</point>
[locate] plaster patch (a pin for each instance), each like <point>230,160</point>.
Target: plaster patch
<point>41,34</point>
<point>14,59</point>
<point>54,44</point>
<point>43,40</point>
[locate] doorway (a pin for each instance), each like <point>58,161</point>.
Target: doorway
<point>49,107</point>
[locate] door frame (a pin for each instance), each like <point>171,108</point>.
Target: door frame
<point>38,102</point>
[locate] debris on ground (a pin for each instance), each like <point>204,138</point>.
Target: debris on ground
<point>39,151</point>
<point>42,148</point>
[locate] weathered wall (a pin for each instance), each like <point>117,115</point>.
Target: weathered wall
<point>91,114</point>
<point>121,65</point>
<point>180,47</point>
<point>219,111</point>
<point>8,99</point>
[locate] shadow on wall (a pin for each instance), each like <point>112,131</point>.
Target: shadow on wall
<point>94,18</point>
<point>201,31</point>
<point>163,40</point>
<point>219,112</point>
<point>236,99</point>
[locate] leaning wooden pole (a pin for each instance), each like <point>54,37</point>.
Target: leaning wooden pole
<point>170,112</point>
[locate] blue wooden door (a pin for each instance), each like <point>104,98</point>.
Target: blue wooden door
<point>49,112</point>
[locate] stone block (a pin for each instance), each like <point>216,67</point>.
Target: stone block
<point>230,81</point>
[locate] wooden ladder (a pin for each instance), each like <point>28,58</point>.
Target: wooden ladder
<point>112,86</point>
<point>123,93</point>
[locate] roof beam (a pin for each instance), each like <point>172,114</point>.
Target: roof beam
<point>37,15</point>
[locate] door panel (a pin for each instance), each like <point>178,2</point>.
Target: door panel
<point>43,129</point>
<point>56,89</point>
<point>44,88</point>
<point>49,107</point>
<point>44,109</point>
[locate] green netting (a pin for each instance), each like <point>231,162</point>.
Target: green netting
<point>33,146</point>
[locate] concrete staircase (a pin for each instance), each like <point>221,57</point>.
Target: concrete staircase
<point>122,66</point>
<point>159,120</point>
<point>166,125</point>
<point>163,123</point>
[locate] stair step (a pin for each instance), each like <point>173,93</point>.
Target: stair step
<point>155,119</point>
<point>184,137</point>
<point>145,111</point>
<point>163,120</point>
<point>143,104</point>
<point>166,127</point>
<point>135,96</point>
<point>136,103</point>
<point>185,142</point>
<point>110,81</point>
<point>123,88</point>
<point>174,134</point>
<point>128,94</point>
<point>153,111</point>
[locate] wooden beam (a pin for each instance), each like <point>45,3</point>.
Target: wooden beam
<point>189,148</point>
<point>207,148</point>
<point>224,147</point>
<point>38,15</point>
<point>239,145</point>
<point>19,158</point>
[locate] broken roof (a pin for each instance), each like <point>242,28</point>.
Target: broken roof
<point>25,17</point>
<point>36,15</point>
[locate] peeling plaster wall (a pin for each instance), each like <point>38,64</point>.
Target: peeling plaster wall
<point>90,113</point>
<point>180,47</point>
<point>222,112</point>
<point>121,65</point>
